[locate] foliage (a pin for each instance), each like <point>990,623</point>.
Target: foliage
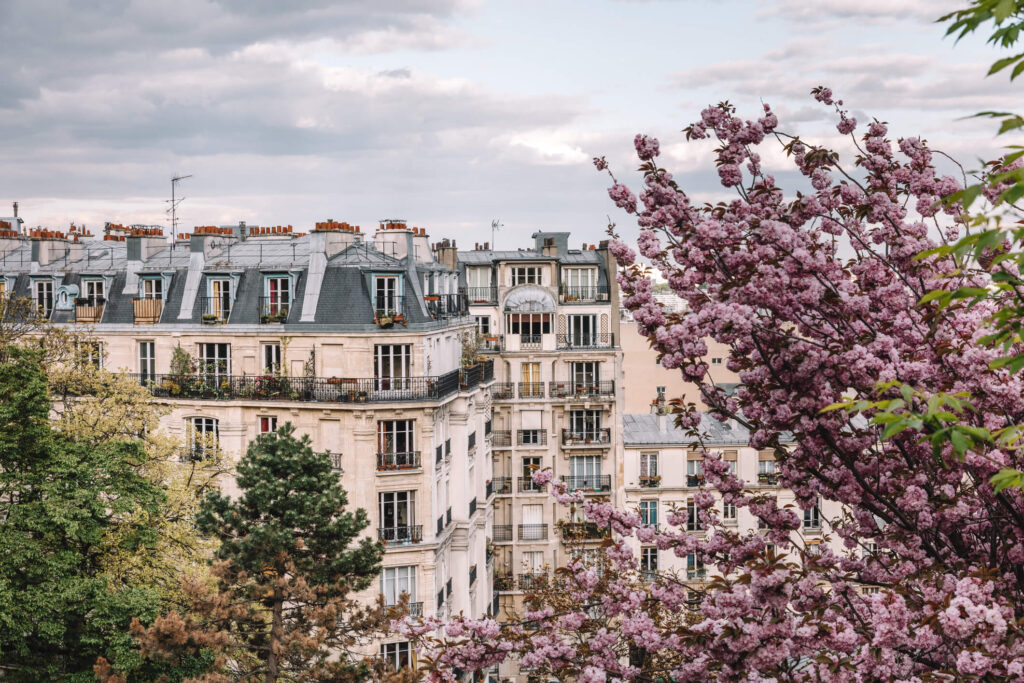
<point>279,607</point>
<point>65,506</point>
<point>817,297</point>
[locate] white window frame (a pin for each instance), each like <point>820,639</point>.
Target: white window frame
<point>525,275</point>
<point>579,284</point>
<point>387,294</point>
<point>198,446</point>
<point>649,559</point>
<point>152,288</point>
<point>395,653</point>
<point>278,292</point>
<point>397,580</point>
<point>272,358</point>
<point>649,512</point>
<point>94,291</point>
<point>217,366</point>
<point>147,360</point>
<point>267,424</point>
<point>44,297</point>
<point>221,297</point>
<point>649,465</point>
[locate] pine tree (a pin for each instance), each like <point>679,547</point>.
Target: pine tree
<point>288,561</point>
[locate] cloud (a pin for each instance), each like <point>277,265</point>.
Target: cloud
<point>877,11</point>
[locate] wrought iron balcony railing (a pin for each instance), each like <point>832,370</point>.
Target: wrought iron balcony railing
<point>533,532</point>
<point>582,294</point>
<point>527,485</point>
<point>532,580</point>
<point>599,437</point>
<point>532,437</point>
<point>482,295</point>
<point>502,533</point>
<point>503,391</point>
<point>584,390</point>
<point>585,341</point>
<point>598,483</point>
<point>531,390</point>
<point>572,531</point>
<point>501,438</point>
<point>391,462</point>
<point>215,309</point>
<point>502,485</point>
<point>400,535</point>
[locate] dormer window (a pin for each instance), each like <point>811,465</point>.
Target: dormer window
<point>218,301</point>
<point>44,297</point>
<point>387,296</point>
<point>152,288</point>
<point>94,293</point>
<point>525,275</point>
<point>276,299</point>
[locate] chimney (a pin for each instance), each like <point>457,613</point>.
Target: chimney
<point>10,237</point>
<point>48,246</point>
<point>15,209</point>
<point>661,410</point>
<point>447,254</point>
<point>393,238</point>
<point>139,246</point>
<point>421,245</point>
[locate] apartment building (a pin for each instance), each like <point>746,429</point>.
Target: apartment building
<point>356,339</point>
<point>548,315</point>
<point>663,468</point>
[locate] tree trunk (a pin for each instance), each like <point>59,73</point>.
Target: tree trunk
<point>276,636</point>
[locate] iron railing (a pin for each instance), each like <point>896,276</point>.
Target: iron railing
<point>767,479</point>
<point>527,485</point>
<point>598,483</point>
<point>651,482</point>
<point>532,437</point>
<point>694,480</point>
<point>587,437</point>
<point>306,389</point>
<point>501,438</point>
<point>592,389</point>
<point>400,535</point>
<point>89,310</point>
<point>482,295</point>
<point>503,391</point>
<point>582,293</point>
<point>583,531</point>
<point>274,309</point>
<point>585,341</point>
<point>533,532</point>
<point>502,485</point>
<point>502,533</point>
<point>491,343</point>
<point>388,306</point>
<point>532,581</point>
<point>445,306</point>
<point>215,309</point>
<point>390,462</point>
<point>531,390</point>
<point>504,582</point>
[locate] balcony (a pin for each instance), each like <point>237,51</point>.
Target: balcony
<point>413,609</point>
<point>532,437</point>
<point>532,581</point>
<point>531,390</point>
<point>504,582</point>
<point>502,485</point>
<point>501,438</point>
<point>694,480</point>
<point>389,310</point>
<point>482,295</point>
<point>583,531</point>
<point>533,532</point>
<point>400,535</point>
<point>531,342</point>
<point>571,294</point>
<point>590,437</point>
<point>394,462</point>
<point>767,479</point>
<point>598,483</point>
<point>446,306</point>
<point>503,391</point>
<point>274,309</point>
<point>527,485</point>
<point>502,533</point>
<point>490,343</point>
<point>585,341</point>
<point>89,309</point>
<point>584,391</point>
<point>651,482</point>
<point>214,309</point>
<point>147,311</point>
<point>304,389</point>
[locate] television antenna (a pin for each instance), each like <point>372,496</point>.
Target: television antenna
<point>495,226</point>
<point>174,201</point>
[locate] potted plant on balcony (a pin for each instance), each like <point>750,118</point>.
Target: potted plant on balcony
<point>385,321</point>
<point>209,318</point>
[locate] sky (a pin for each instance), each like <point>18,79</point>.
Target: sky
<point>447,113</point>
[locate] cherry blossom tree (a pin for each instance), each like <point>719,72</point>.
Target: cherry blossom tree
<point>822,296</point>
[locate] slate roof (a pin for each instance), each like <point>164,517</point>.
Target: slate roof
<point>642,430</point>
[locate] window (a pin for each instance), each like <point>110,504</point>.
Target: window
<point>649,560</point>
<point>533,528</point>
<point>90,353</point>
<point>271,359</point>
<point>397,580</point>
<point>582,330</point>
<point>579,284</point>
<point>812,518</point>
<point>766,473</point>
<point>391,364</point>
<point>530,381</point>
<point>585,374</point>
<point>94,292</point>
<point>648,465</point>
<point>585,424</point>
<point>278,295</point>
<point>525,275</point>
<point>202,434</point>
<point>694,567</point>
<point>147,361</point>
<point>479,282</point>
<point>530,465</point>
<point>397,655</point>
<point>728,512</point>
<point>528,324</point>
<point>219,303</point>
<point>397,514</point>
<point>693,521</point>
<point>44,297</point>
<point>268,424</point>
<point>585,473</point>
<point>716,361</point>
<point>533,561</point>
<point>386,295</point>
<point>649,512</point>
<point>870,590</point>
<point>395,436</point>
<point>483,324</point>
<point>153,288</point>
<point>215,361</point>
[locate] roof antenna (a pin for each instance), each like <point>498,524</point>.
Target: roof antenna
<point>174,201</point>
<point>495,226</point>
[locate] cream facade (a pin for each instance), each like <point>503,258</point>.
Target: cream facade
<point>354,339</point>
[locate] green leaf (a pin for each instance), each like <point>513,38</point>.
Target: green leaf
<point>1007,478</point>
<point>959,442</point>
<point>932,295</point>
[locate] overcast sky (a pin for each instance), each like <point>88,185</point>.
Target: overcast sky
<point>449,113</point>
